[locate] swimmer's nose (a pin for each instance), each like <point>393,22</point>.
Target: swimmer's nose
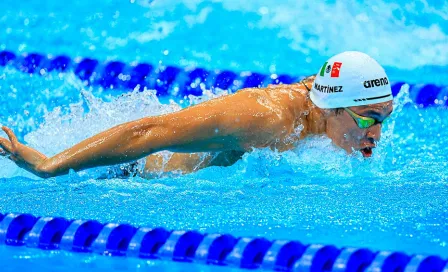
<point>374,133</point>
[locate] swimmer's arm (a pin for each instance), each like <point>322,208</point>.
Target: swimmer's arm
<point>215,125</point>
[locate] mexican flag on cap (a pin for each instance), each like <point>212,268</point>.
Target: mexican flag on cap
<point>333,69</point>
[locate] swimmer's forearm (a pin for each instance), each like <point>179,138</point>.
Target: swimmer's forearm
<point>120,144</point>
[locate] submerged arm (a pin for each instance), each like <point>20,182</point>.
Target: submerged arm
<point>159,164</point>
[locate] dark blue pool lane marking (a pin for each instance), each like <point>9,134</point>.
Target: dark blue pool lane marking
<point>353,259</point>
<point>86,68</point>
<point>255,80</point>
<point>111,72</point>
<point>147,242</point>
<point>215,248</point>
<point>14,228</point>
<point>6,57</point>
<point>32,63</point>
<point>196,79</point>
<point>114,239</point>
<point>389,261</point>
<point>282,255</point>
<point>427,95</point>
<point>248,253</point>
<point>181,246</point>
<point>56,233</point>
<point>80,235</point>
<point>165,77</point>
<point>225,80</point>
<point>59,63</point>
<point>175,81</point>
<point>47,233</point>
<point>137,76</point>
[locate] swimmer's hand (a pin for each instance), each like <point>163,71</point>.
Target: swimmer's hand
<point>25,157</point>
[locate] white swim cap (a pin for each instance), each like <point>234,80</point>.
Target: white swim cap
<point>350,79</point>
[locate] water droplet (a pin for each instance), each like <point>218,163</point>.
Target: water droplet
<point>263,10</point>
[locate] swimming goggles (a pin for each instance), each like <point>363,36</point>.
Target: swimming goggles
<point>363,121</point>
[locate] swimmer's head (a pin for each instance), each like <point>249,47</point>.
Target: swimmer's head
<point>355,93</point>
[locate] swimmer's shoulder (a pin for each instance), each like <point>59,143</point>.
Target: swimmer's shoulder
<point>277,90</point>
<point>286,94</point>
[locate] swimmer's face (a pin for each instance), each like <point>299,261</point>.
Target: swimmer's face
<point>345,132</point>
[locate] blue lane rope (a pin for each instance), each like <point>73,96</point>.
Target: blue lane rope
<point>176,81</point>
<point>111,239</point>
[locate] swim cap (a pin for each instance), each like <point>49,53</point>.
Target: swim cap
<point>350,79</point>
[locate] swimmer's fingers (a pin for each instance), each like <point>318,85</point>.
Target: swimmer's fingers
<point>7,154</point>
<point>5,146</point>
<point>12,137</point>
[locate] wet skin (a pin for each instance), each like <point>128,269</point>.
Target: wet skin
<point>224,127</point>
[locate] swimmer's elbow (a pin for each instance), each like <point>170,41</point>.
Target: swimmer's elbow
<point>177,133</point>
<point>47,169</point>
<point>154,134</point>
<point>142,137</point>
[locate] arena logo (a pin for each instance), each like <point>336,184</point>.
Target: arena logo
<point>376,82</point>
<point>327,88</point>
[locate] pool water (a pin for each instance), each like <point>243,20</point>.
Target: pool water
<point>397,200</point>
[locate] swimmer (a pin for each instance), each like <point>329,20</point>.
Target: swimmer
<point>347,101</point>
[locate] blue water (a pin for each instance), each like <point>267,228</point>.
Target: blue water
<point>315,193</point>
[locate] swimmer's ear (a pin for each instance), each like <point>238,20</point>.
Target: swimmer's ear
<point>308,79</point>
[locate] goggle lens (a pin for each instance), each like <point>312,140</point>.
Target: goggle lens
<point>363,121</point>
